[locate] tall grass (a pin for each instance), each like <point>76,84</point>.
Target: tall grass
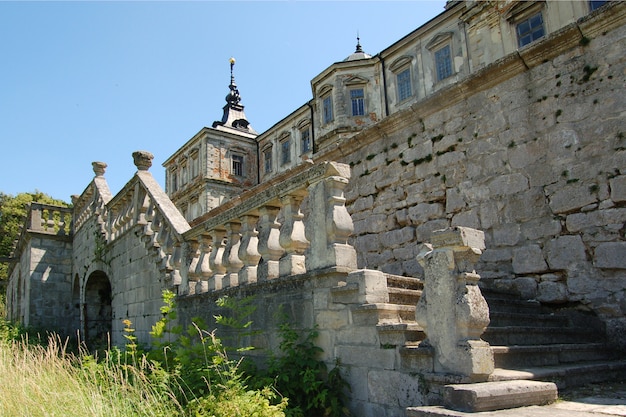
<point>47,381</point>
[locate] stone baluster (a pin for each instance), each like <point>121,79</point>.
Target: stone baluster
<point>231,260</point>
<point>193,270</point>
<point>248,249</point>
<point>269,244</point>
<point>452,310</point>
<point>216,259</point>
<point>329,224</point>
<point>292,236</point>
<point>167,247</point>
<point>203,267</point>
<point>178,274</point>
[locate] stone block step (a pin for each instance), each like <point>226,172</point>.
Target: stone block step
<point>545,355</point>
<point>404,296</point>
<point>417,357</point>
<point>383,313</point>
<point>411,283</point>
<point>400,334</point>
<point>503,319</point>
<point>567,375</point>
<point>497,305</point>
<point>531,335</point>
<point>488,396</point>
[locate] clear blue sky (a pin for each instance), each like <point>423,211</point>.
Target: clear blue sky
<point>95,81</point>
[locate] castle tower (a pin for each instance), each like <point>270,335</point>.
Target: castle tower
<point>217,163</point>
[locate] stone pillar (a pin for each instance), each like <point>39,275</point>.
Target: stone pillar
<point>329,224</point>
<point>269,244</point>
<point>248,252</point>
<point>452,310</point>
<point>231,260</point>
<point>292,237</point>
<point>216,259</point>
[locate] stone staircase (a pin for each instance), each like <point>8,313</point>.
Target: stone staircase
<point>529,341</point>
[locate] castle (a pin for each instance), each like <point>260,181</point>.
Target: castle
<point>495,131</point>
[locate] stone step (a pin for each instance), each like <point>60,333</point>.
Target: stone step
<point>532,335</point>
<point>411,283</point>
<point>503,305</point>
<point>567,375</point>
<point>383,313</point>
<point>417,357</point>
<point>404,296</point>
<point>504,319</point>
<point>400,334</point>
<point>488,396</point>
<point>545,355</point>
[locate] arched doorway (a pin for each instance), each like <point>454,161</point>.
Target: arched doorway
<point>98,314</point>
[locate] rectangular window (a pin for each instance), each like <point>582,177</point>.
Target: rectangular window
<point>443,62</point>
<point>530,30</point>
<point>285,152</point>
<point>596,4</point>
<point>305,137</point>
<point>327,109</point>
<point>358,102</point>
<point>174,182</point>
<point>267,160</point>
<point>194,166</point>
<point>404,84</point>
<point>237,161</point>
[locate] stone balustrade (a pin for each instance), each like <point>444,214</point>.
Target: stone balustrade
<point>49,219</point>
<point>295,224</point>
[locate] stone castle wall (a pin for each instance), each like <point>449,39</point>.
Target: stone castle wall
<point>536,161</point>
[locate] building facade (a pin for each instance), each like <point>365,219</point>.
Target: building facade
<point>501,116</point>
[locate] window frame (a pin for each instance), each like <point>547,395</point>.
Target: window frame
<point>285,150</point>
<point>532,31</point>
<point>305,139</point>
<point>596,4</point>
<point>237,164</point>
<point>327,109</point>
<point>357,101</point>
<point>267,160</point>
<point>443,63</point>
<point>404,72</point>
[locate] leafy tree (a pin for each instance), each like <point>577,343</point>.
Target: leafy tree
<point>13,211</point>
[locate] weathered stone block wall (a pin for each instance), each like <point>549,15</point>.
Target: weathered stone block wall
<point>333,303</point>
<point>537,162</point>
<point>50,287</point>
<point>136,286</point>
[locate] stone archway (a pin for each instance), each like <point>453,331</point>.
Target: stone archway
<point>97,311</point>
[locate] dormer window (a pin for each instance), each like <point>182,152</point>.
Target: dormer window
<point>357,98</point>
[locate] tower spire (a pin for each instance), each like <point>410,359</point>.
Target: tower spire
<point>234,116</point>
<point>358,44</point>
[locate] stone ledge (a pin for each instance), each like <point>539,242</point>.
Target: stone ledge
<point>488,396</point>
